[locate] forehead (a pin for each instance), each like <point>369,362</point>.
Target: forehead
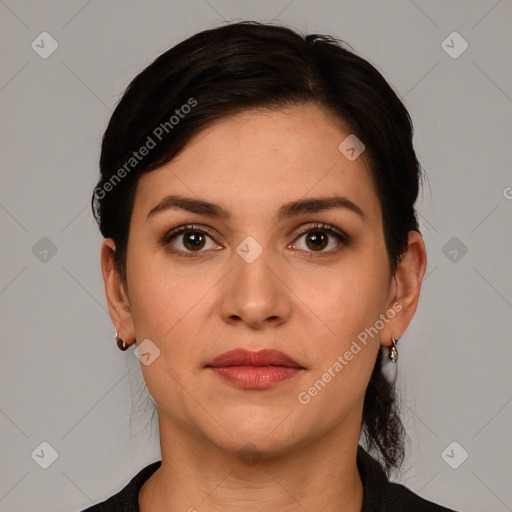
<point>259,159</point>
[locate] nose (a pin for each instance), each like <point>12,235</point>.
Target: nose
<point>254,294</point>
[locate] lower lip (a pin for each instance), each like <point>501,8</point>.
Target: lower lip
<point>255,377</point>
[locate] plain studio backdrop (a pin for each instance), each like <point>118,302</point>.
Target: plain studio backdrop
<point>66,390</point>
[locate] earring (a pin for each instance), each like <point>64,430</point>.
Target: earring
<point>388,364</point>
<point>393,352</point>
<point>121,344</point>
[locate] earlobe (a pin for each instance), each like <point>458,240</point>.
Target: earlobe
<point>408,277</point>
<point>117,299</point>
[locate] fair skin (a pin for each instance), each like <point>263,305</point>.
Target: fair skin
<point>194,308</point>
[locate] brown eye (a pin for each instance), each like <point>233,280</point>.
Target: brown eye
<point>188,241</point>
<point>316,240</point>
<point>321,239</point>
<point>193,240</point>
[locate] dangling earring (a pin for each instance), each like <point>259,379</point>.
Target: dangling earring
<point>393,352</point>
<point>388,364</point>
<point>121,344</point>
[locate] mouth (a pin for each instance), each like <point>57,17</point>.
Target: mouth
<point>242,357</point>
<point>254,370</point>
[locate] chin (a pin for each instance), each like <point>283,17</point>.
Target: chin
<point>250,429</point>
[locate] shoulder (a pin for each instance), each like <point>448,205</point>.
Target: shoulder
<point>381,495</point>
<point>400,497</point>
<point>126,500</point>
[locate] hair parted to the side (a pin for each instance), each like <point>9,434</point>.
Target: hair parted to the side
<point>247,65</point>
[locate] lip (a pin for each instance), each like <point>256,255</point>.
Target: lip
<point>254,370</point>
<point>242,357</point>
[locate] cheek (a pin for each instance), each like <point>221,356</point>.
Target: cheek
<point>345,345</point>
<point>345,301</point>
<point>168,302</point>
<point>165,310</point>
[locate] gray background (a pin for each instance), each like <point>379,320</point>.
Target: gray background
<point>63,381</point>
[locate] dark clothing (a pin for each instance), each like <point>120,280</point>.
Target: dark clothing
<point>380,495</point>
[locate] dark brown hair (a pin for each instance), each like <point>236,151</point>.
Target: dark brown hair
<point>248,65</point>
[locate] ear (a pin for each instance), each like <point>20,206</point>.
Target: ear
<point>117,298</point>
<point>405,291</point>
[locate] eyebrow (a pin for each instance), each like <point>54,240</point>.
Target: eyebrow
<point>288,210</point>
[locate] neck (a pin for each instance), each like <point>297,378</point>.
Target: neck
<point>197,476</point>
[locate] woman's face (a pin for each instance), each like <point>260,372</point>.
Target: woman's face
<point>258,279</point>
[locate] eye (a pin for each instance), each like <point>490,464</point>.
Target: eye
<point>188,239</point>
<point>319,237</point>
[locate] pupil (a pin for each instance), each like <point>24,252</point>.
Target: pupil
<point>194,240</point>
<point>318,240</point>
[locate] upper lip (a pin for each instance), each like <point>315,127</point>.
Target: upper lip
<point>242,357</point>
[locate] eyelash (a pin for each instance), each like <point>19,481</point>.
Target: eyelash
<point>330,230</point>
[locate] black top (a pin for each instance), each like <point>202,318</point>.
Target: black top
<point>380,495</point>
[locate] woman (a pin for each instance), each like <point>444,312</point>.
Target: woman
<point>262,253</point>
